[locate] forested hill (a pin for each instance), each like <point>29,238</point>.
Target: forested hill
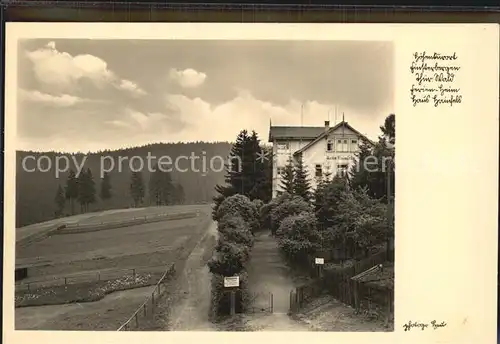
<point>36,191</point>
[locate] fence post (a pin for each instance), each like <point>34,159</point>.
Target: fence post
<point>133,273</point>
<point>29,287</point>
<point>145,311</point>
<point>136,320</point>
<point>98,276</point>
<point>65,281</point>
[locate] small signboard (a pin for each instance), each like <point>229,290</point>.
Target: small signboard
<point>319,261</point>
<point>231,282</point>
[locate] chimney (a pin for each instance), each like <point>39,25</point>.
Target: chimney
<point>327,125</point>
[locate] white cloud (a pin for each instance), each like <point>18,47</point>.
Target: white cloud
<point>64,100</point>
<point>205,122</point>
<point>187,78</point>
<point>130,86</point>
<point>61,70</point>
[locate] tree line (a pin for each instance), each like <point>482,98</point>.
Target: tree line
<point>81,189</point>
<point>35,189</point>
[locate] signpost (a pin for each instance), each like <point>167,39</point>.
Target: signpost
<point>232,282</point>
<point>319,263</point>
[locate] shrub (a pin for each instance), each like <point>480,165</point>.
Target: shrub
<point>229,258</point>
<point>299,236</point>
<point>220,296</point>
<point>239,205</point>
<point>287,207</point>
<point>235,229</point>
<point>361,222</point>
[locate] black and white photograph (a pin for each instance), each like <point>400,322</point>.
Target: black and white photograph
<point>204,185</point>
<point>179,180</point>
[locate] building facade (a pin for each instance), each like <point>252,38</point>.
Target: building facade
<point>324,150</point>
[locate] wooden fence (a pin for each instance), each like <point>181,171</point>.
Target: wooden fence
<point>147,310</point>
<point>334,281</point>
<point>86,277</point>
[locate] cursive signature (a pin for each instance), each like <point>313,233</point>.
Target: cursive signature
<point>422,326</point>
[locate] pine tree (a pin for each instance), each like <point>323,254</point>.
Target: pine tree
<point>137,188</point>
<point>248,173</point>
<point>82,192</point>
<point>301,185</point>
<point>105,192</point>
<point>86,190</point>
<point>288,177</point>
<point>71,190</point>
<point>60,200</point>
<point>178,194</point>
<point>160,187</point>
<point>370,169</point>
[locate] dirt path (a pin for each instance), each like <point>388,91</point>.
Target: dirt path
<point>268,273</point>
<point>191,312</point>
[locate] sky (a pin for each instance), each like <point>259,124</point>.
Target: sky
<point>90,95</point>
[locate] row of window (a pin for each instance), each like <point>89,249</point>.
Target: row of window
<point>342,145</point>
<point>318,172</point>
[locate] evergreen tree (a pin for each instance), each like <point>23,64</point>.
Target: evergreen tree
<point>301,185</point>
<point>370,169</point>
<point>86,189</point>
<point>249,173</point>
<point>60,200</point>
<point>105,192</point>
<point>177,194</point>
<point>137,188</point>
<point>287,178</point>
<point>160,187</point>
<point>71,190</point>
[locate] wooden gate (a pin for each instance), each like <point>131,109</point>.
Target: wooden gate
<point>261,302</point>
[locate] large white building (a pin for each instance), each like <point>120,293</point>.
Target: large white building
<point>324,150</point>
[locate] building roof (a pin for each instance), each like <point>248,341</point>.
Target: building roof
<point>380,276</point>
<point>293,132</point>
<point>326,132</point>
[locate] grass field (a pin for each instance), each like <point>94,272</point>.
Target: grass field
<point>143,247</point>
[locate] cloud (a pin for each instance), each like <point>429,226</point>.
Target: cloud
<point>62,71</point>
<point>64,100</point>
<point>187,78</point>
<point>188,119</point>
<point>132,87</point>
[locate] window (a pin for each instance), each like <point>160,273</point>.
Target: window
<point>329,146</point>
<point>354,145</point>
<point>342,169</point>
<point>281,170</point>
<point>319,171</point>
<point>283,146</point>
<point>341,145</point>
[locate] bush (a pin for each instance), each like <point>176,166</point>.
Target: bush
<point>239,205</point>
<point>361,222</point>
<point>299,237</point>
<point>287,207</point>
<point>220,303</point>
<point>229,258</point>
<point>235,229</point>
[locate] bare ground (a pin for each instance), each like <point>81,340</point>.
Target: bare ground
<point>328,314</point>
<point>110,312</point>
<point>186,304</point>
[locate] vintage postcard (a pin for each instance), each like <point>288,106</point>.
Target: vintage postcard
<point>167,179</point>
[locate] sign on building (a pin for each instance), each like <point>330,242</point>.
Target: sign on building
<point>231,282</point>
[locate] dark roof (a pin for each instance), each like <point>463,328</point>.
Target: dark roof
<point>306,133</point>
<point>380,276</point>
<point>324,133</point>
